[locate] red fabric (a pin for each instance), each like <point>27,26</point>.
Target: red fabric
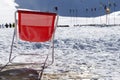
<point>35,26</point>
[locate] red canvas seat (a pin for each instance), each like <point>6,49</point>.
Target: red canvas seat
<point>34,26</point>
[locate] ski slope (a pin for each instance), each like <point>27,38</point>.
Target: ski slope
<point>82,49</point>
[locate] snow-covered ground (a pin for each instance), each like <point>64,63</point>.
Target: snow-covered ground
<point>7,9</point>
<point>77,49</point>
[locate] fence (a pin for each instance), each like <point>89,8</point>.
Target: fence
<point>7,25</point>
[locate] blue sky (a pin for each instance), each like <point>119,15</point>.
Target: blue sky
<point>64,6</point>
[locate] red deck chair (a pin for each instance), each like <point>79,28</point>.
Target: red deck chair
<point>34,26</point>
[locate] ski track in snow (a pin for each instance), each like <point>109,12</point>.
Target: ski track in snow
<point>95,48</point>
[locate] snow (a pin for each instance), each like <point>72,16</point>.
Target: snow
<point>80,49</point>
<point>7,9</point>
<point>92,49</point>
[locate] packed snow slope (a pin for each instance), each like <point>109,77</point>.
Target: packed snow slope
<point>92,49</point>
<point>95,48</point>
<point>7,10</point>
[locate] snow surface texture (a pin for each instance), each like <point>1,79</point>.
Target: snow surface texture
<point>7,10</point>
<point>77,49</point>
